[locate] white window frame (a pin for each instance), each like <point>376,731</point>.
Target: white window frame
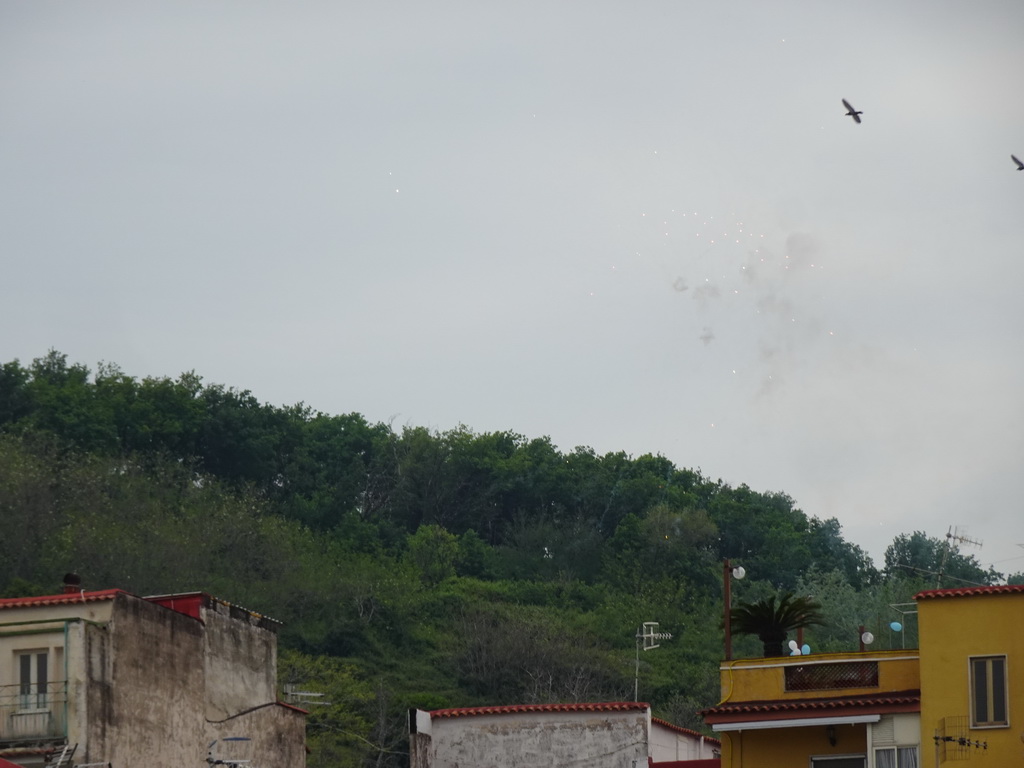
<point>896,749</point>
<point>32,671</point>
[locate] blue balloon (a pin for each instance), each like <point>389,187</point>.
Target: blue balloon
<point>805,649</point>
<point>896,627</point>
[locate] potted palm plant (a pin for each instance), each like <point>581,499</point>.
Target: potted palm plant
<point>771,621</point>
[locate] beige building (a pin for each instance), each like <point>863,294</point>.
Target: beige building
<point>96,678</point>
<point>598,735</point>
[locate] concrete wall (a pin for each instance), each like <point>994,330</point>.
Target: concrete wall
<point>764,679</point>
<point>668,744</point>
<point>240,660</point>
<point>779,747</point>
<point>277,734</point>
<point>597,739</point>
<point>145,688</point>
<point>151,686</point>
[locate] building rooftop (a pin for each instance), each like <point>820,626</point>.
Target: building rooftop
<point>999,589</point>
<point>786,709</point>
<point>515,709</point>
<point>66,598</point>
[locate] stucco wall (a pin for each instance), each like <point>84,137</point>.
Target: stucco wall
<point>240,659</point>
<point>276,733</point>
<point>668,745</point>
<point>144,679</point>
<point>594,739</point>
<point>952,629</point>
<point>775,747</point>
<point>764,679</point>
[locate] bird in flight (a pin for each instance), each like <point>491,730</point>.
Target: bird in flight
<point>1020,165</point>
<point>851,111</point>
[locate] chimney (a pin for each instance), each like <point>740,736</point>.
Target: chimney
<point>72,583</point>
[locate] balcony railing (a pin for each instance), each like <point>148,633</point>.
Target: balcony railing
<point>830,677</point>
<point>33,712</point>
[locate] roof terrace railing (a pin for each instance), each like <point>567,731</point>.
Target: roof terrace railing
<point>33,712</point>
<point>832,676</point>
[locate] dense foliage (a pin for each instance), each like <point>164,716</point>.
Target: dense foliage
<point>412,568</point>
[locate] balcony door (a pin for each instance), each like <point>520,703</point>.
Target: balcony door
<point>32,680</point>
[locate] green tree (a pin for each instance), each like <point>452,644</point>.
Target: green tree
<point>433,552</point>
<point>844,609</point>
<point>14,396</point>
<point>936,561</point>
<point>340,723</point>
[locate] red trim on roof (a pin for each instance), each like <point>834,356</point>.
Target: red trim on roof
<point>686,731</point>
<point>516,709</point>
<point>999,589</point>
<point>188,604</point>
<point>793,709</point>
<point>8,764</point>
<point>69,598</point>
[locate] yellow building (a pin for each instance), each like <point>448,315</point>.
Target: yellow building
<point>955,702</point>
<point>829,710</point>
<point>972,676</point>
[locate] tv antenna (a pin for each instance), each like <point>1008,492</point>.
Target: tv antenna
<point>954,538</point>
<point>647,638</point>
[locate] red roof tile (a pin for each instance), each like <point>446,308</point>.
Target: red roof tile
<point>999,589</point>
<point>67,598</point>
<point>515,709</point>
<point>786,709</point>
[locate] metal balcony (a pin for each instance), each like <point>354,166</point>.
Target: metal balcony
<point>33,713</point>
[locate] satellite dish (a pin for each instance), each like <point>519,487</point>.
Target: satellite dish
<point>867,638</point>
<point>896,626</point>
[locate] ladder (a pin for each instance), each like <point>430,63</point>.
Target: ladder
<point>63,760</point>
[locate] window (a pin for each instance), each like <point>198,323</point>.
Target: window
<point>32,680</point>
<point>896,757</point>
<point>988,691</point>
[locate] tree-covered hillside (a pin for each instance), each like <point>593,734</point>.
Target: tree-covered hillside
<point>414,568</point>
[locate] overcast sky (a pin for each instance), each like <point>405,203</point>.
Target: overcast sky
<point>646,227</point>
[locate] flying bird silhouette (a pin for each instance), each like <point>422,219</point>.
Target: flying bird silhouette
<point>851,111</point>
<point>1020,165</point>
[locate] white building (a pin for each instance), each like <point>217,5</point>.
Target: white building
<point>597,735</point>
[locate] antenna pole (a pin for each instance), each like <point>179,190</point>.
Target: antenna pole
<point>727,587</point>
<point>953,541</point>
<point>636,676</point>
